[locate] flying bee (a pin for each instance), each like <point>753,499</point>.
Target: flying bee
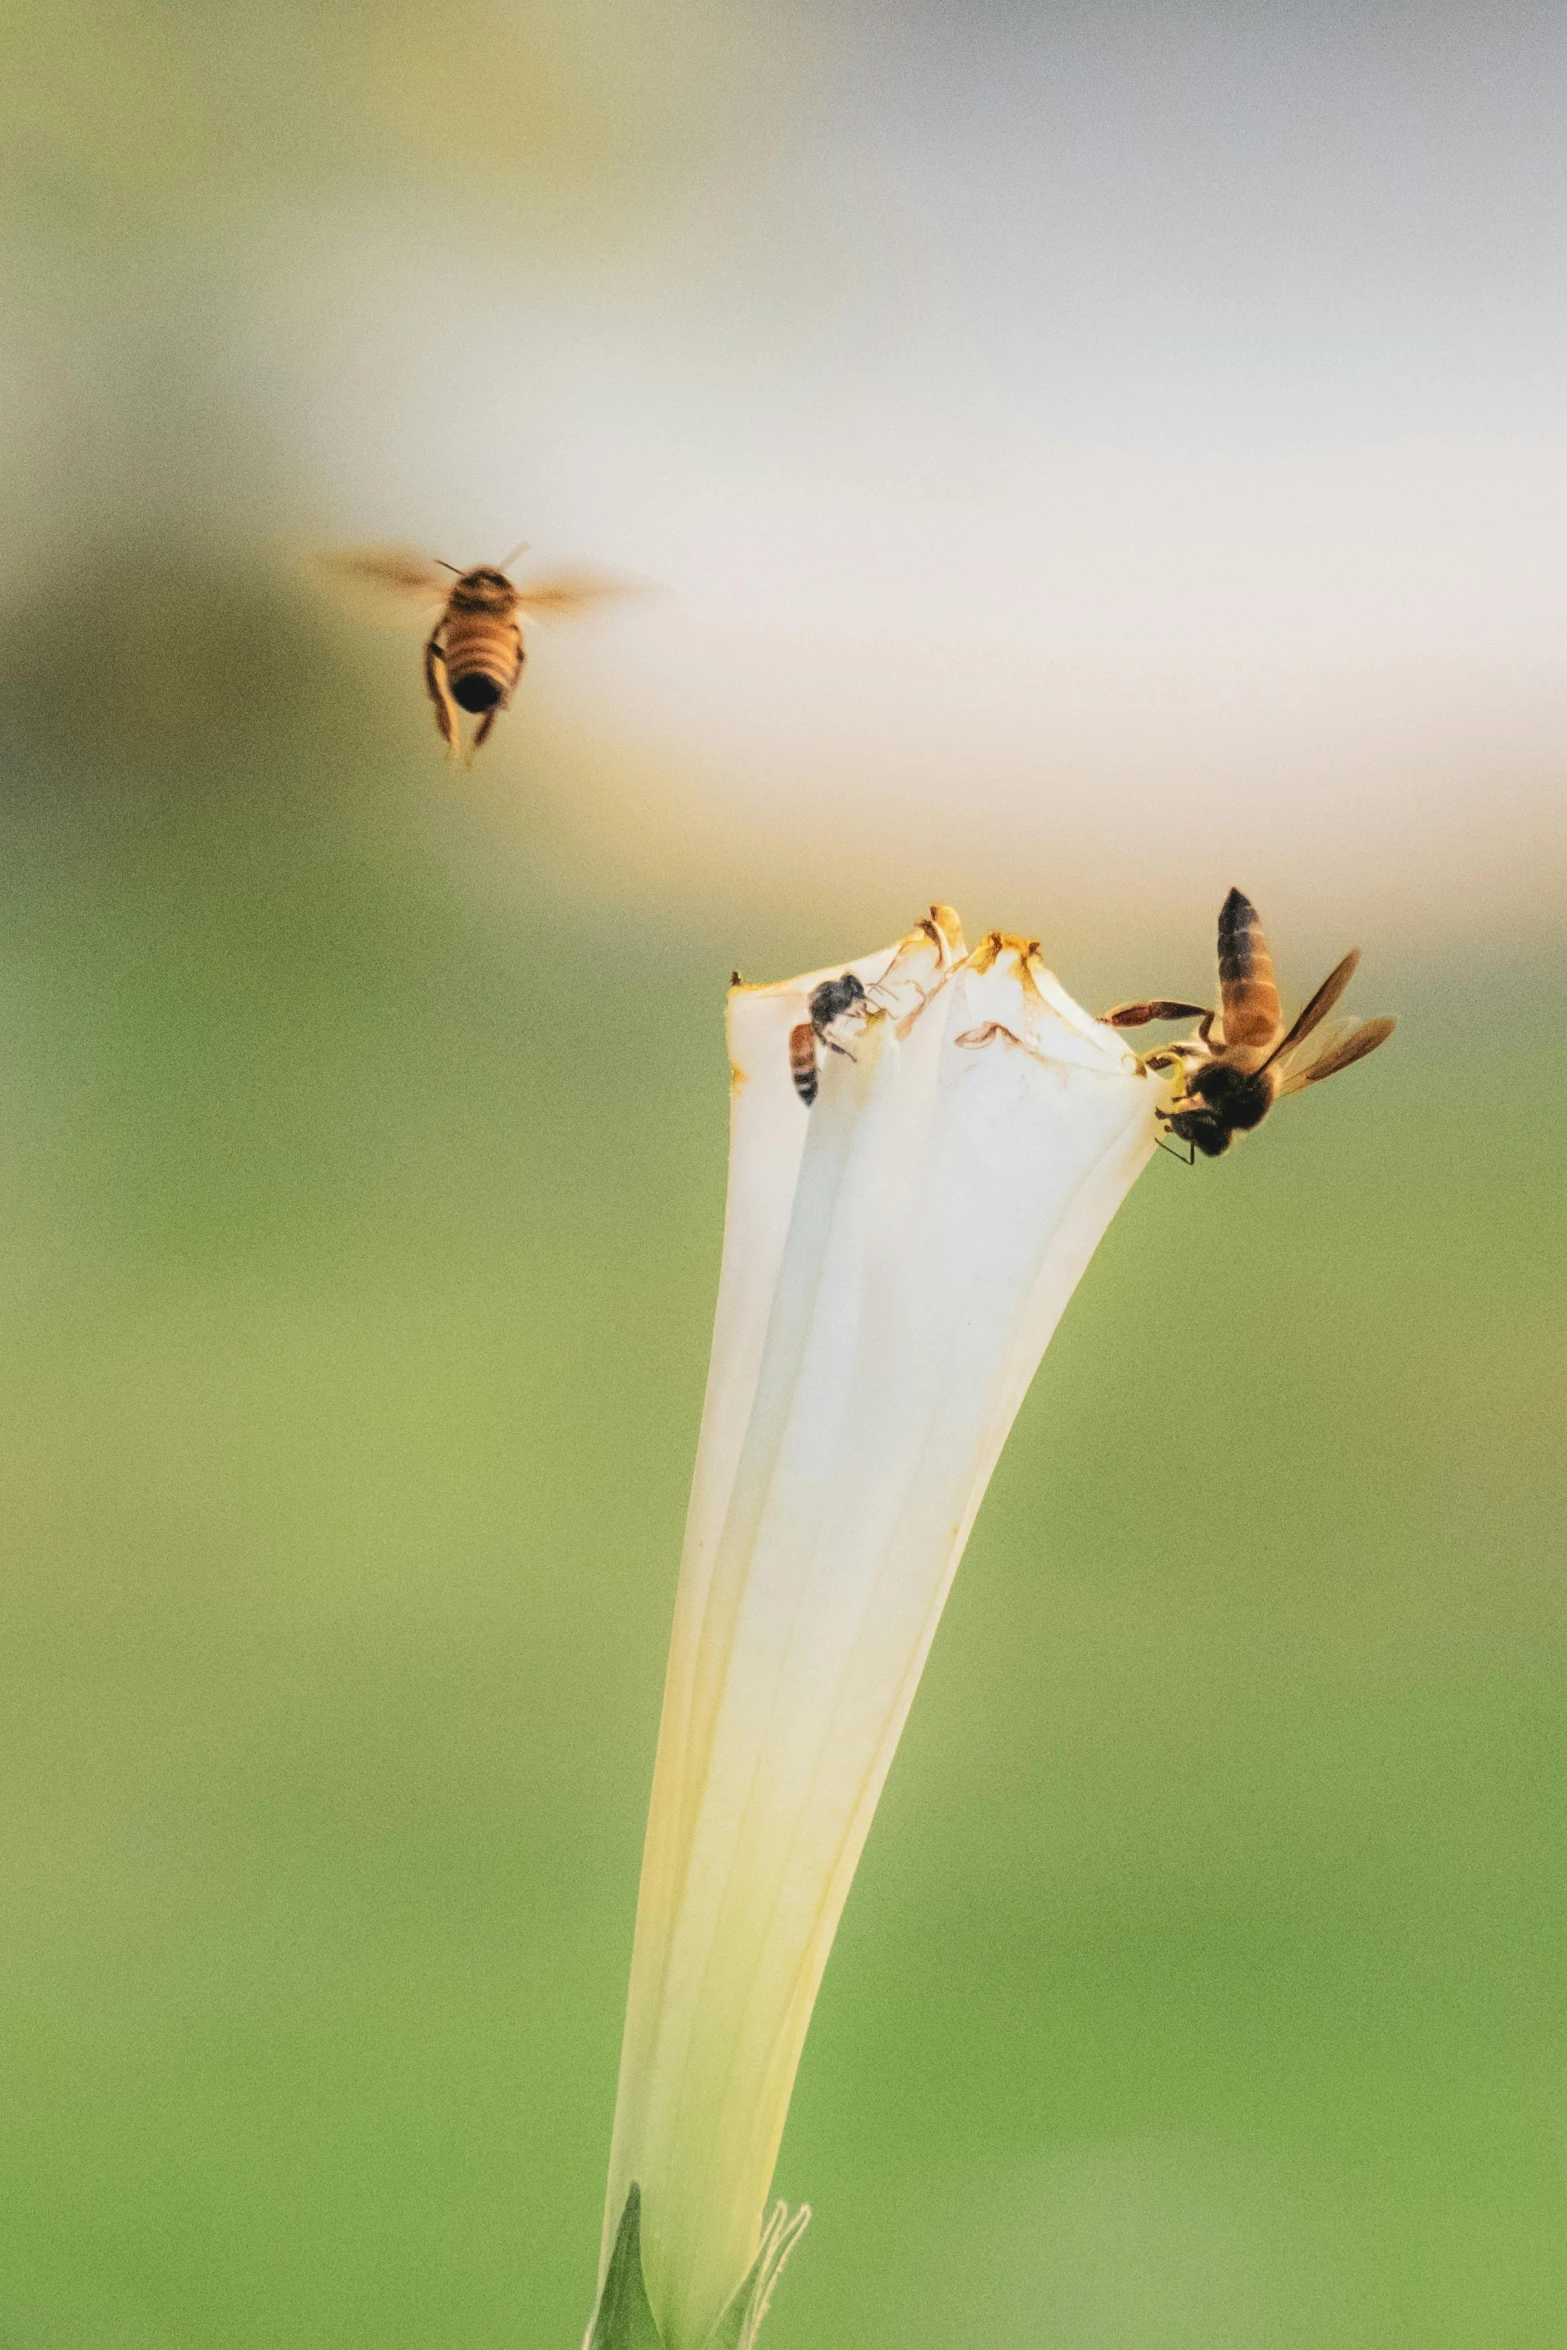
<point>833,1000</point>
<point>1241,1061</point>
<point>473,656</point>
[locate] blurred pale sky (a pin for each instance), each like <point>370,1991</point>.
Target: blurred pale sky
<point>1083,447</point>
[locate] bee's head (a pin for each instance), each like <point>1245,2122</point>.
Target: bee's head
<point>1204,1129</point>
<point>834,997</point>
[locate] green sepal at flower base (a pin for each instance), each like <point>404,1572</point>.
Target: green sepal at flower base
<point>624,2318</point>
<point>738,2327</point>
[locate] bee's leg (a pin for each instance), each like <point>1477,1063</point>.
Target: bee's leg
<point>1142,1015</point>
<point>832,1047</point>
<point>1171,1067</point>
<point>1188,1157</point>
<point>435,686</point>
<point>516,675</point>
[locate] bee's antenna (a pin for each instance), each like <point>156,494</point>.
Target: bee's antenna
<point>521,548</point>
<point>445,566</point>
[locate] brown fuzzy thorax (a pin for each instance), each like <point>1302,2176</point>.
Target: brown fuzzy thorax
<point>484,591</point>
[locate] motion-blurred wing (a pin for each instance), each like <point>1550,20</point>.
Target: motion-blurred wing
<point>1364,1037</point>
<point>389,583</point>
<point>566,595</point>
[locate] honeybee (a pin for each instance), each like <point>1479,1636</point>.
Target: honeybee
<point>473,656</point>
<point>1231,1078</point>
<point>833,1000</point>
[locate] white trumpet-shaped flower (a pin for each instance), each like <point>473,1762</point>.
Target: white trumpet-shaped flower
<point>895,1260</point>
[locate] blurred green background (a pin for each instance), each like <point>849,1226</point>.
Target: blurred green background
<point>362,1136</point>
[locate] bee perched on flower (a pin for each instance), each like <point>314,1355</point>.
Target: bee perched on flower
<point>833,1001</point>
<point>1242,1058</point>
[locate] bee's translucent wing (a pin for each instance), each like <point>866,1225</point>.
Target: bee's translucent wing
<point>1308,1050</point>
<point>1347,1041</point>
<point>388,583</point>
<point>1319,1007</point>
<point>563,595</point>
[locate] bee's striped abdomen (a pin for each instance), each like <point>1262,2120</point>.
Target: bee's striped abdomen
<point>483,658</point>
<point>1246,983</point>
<point>802,1061</point>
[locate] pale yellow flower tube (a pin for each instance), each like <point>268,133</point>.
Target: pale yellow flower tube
<point>894,1263</point>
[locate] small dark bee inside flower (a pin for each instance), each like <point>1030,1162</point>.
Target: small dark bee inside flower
<point>829,1002</point>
